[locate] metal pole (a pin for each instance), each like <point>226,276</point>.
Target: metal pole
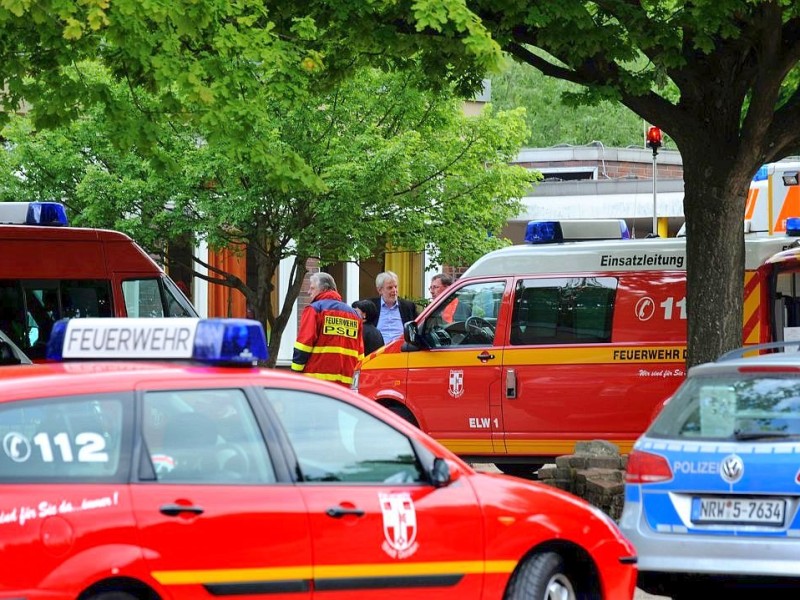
<point>655,214</point>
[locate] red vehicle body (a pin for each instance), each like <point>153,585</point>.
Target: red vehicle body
<point>49,272</point>
<point>88,531</point>
<point>558,343</point>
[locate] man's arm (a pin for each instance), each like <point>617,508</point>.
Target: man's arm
<point>306,339</point>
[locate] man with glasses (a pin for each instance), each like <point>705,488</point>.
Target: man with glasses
<point>439,283</point>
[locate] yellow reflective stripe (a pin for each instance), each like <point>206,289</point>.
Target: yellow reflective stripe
<point>331,377</point>
<point>468,446</point>
<point>609,354</point>
<point>520,356</point>
<point>209,576</point>
<point>390,361</point>
<point>303,347</point>
<point>297,367</point>
<point>468,567</point>
<point>522,446</point>
<point>232,575</point>
<point>334,350</point>
<point>556,447</point>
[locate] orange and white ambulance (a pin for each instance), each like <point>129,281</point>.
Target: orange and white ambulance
<point>559,342</point>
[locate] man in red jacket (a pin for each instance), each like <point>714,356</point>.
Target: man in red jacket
<point>329,342</point>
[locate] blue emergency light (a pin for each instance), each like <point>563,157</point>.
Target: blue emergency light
<point>543,232</point>
<point>793,226</point>
<point>762,174</point>
<point>52,214</point>
<point>573,230</point>
<point>240,342</point>
<point>47,213</point>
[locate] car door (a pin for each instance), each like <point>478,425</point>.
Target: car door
<point>211,514</point>
<point>379,529</point>
<point>454,383</point>
<point>65,514</point>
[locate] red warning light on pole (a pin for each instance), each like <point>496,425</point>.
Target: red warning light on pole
<point>654,138</point>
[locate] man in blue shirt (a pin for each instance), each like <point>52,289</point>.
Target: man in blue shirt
<point>393,312</point>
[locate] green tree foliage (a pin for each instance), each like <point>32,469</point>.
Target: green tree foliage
<point>374,161</point>
<point>561,122</point>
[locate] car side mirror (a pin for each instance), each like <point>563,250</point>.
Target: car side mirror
<point>440,473</point>
<point>411,333</point>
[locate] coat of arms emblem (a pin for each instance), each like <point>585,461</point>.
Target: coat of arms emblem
<point>456,389</point>
<point>399,525</point>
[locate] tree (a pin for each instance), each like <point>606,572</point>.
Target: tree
<point>379,161</point>
<point>558,122</point>
<point>721,78</point>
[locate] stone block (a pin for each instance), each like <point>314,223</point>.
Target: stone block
<point>596,448</point>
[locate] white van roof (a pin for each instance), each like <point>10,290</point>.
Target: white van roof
<point>655,254</point>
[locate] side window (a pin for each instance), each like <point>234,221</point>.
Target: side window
<point>177,304</point>
<point>336,442</point>
<point>29,308</point>
<point>563,311</point>
<point>154,298</point>
<point>90,298</point>
<point>142,298</point>
<point>204,436</point>
<point>12,313</point>
<point>57,439</point>
<point>467,317</point>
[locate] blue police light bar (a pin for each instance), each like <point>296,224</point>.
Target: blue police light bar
<point>211,341</point>
<point>574,230</point>
<point>52,214</point>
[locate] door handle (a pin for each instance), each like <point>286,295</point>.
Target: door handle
<point>511,383</point>
<point>174,510</point>
<point>485,356</point>
<point>337,512</point>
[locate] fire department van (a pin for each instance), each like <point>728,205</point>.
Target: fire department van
<point>49,270</point>
<point>554,343</point>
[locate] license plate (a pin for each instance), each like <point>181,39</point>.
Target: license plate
<point>738,511</point>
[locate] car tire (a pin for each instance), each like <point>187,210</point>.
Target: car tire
<point>542,577</point>
<point>113,596</point>
<point>402,412</point>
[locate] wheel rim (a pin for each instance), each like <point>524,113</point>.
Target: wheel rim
<point>559,588</point>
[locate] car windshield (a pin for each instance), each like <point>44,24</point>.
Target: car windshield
<point>732,406</point>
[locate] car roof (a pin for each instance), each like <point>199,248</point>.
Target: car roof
<point>769,362</point>
<point>81,377</point>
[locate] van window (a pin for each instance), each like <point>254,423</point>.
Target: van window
<point>576,310</point>
<point>29,308</point>
<point>467,317</point>
<point>155,297</point>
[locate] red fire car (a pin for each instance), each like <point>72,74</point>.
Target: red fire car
<point>194,474</point>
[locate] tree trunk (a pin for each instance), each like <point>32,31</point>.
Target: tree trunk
<point>714,200</point>
<point>278,315</point>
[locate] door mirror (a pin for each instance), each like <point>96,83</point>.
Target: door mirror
<point>440,473</point>
<point>411,333</point>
